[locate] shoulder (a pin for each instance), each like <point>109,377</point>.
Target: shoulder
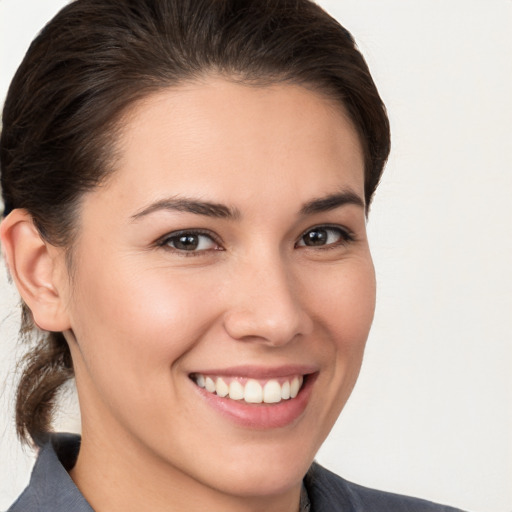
<point>329,492</point>
<point>50,488</point>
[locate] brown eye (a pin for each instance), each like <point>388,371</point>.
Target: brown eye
<point>190,242</point>
<point>324,236</point>
<point>316,237</point>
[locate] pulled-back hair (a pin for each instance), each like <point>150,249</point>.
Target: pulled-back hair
<point>95,59</point>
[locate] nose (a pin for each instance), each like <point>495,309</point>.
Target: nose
<point>265,304</point>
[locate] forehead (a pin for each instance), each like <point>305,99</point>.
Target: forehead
<point>234,141</point>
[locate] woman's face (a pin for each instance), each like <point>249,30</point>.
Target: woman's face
<point>227,254</point>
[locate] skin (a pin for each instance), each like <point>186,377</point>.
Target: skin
<point>141,315</point>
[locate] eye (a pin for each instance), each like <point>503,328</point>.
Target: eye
<point>322,236</point>
<point>189,241</point>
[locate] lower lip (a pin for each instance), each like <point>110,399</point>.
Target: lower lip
<point>262,416</point>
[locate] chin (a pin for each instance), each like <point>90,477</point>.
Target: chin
<point>258,479</point>
<point>267,471</point>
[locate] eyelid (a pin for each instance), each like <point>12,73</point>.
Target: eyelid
<point>347,236</point>
<point>164,240</point>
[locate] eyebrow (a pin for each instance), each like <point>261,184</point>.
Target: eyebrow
<point>221,211</point>
<point>206,208</point>
<point>331,202</point>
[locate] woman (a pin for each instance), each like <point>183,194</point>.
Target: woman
<point>186,188</point>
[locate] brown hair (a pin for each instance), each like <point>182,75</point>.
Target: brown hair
<point>97,57</point>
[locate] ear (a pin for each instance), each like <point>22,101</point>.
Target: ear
<point>38,270</point>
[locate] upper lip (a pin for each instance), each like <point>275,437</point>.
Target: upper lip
<point>259,372</point>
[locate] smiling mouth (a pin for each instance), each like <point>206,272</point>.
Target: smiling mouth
<point>251,391</point>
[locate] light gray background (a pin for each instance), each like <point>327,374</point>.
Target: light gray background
<point>432,413</point>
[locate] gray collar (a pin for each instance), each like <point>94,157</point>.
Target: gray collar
<point>305,504</point>
<point>51,487</point>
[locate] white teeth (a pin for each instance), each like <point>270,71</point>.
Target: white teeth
<point>253,392</point>
<point>285,390</point>
<point>294,387</point>
<point>209,384</point>
<point>221,388</point>
<point>200,381</point>
<point>272,392</point>
<point>236,391</point>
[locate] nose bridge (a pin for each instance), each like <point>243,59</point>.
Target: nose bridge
<point>265,304</point>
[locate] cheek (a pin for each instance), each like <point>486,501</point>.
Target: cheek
<point>341,299</point>
<point>132,337</point>
<point>345,304</point>
<point>344,300</point>
<point>355,315</point>
<point>139,325</point>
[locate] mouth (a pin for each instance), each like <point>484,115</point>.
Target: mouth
<point>256,397</point>
<point>249,390</point>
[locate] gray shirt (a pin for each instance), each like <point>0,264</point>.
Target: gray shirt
<point>52,490</point>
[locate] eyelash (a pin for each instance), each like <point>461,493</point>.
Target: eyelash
<point>165,241</point>
<point>346,237</point>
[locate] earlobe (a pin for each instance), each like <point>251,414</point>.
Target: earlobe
<point>32,264</point>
